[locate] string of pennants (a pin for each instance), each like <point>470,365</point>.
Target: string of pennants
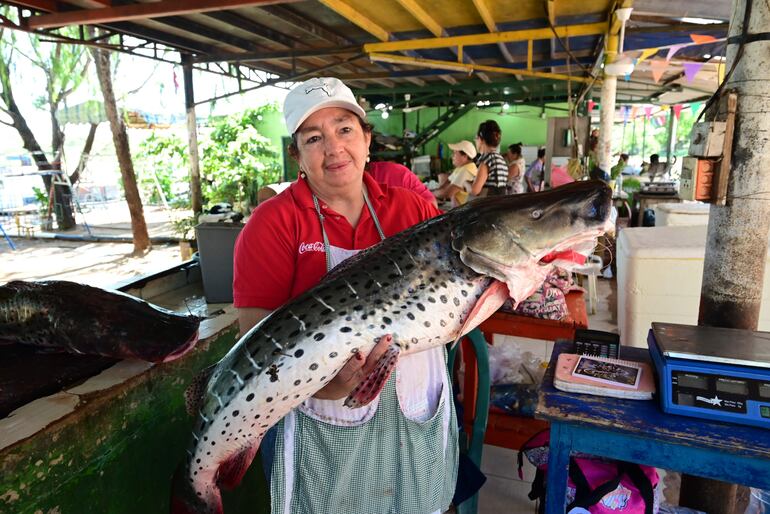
<point>658,65</point>
<point>656,118</point>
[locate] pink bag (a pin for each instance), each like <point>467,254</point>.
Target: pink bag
<point>598,486</point>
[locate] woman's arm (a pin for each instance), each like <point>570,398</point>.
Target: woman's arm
<point>481,179</point>
<point>514,171</point>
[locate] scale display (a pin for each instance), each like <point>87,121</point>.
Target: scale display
<point>713,373</point>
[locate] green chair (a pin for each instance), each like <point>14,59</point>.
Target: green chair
<point>475,446</point>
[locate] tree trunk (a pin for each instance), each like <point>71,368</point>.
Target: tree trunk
<point>85,154</point>
<point>64,216</point>
<point>120,139</point>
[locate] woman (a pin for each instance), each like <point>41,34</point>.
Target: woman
<point>534,174</point>
<point>516,167</point>
<point>493,171</point>
<point>460,182</point>
<point>399,453</point>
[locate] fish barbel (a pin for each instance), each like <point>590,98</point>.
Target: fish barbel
<point>426,286</point>
<point>58,315</point>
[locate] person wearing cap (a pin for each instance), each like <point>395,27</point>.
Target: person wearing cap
<point>459,184</point>
<point>400,452</point>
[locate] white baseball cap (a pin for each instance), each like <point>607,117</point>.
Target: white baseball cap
<point>464,146</point>
<point>316,94</point>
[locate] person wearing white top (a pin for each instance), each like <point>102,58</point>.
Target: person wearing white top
<point>516,167</point>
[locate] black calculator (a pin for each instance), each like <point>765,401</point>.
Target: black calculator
<point>597,343</point>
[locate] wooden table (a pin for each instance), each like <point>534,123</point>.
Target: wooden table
<point>505,430</point>
<point>640,432</point>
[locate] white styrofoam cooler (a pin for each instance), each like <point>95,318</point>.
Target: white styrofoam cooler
<point>660,270</point>
<point>677,214</point>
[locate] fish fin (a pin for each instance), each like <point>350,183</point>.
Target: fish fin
<point>492,299</point>
<point>232,470</point>
<point>371,386</point>
<point>193,395</point>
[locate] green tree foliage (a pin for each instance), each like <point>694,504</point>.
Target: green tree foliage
<point>163,160</point>
<point>237,160</point>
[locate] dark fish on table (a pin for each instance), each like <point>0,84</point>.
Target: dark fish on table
<point>76,318</point>
<point>426,286</point>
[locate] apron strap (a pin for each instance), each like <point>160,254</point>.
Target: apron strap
<point>321,218</point>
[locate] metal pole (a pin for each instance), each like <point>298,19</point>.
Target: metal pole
<point>736,246</point>
<point>607,111</point>
<point>671,141</point>
<point>196,197</point>
<point>644,135</point>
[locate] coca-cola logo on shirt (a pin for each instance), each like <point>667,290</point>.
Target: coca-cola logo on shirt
<point>318,246</point>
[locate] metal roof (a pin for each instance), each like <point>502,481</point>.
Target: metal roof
<point>438,51</point>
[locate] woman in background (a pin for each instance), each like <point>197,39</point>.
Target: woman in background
<point>516,168</point>
<point>492,177</point>
<point>460,182</point>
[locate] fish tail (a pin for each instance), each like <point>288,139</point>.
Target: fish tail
<point>186,500</point>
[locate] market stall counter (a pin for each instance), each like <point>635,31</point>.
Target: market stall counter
<point>111,440</point>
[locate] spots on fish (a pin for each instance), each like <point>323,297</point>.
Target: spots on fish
<point>387,320</point>
<point>273,373</point>
<point>299,353</point>
<point>250,397</point>
<point>452,315</point>
<point>415,340</point>
<point>442,323</point>
<point>313,367</point>
<point>456,301</point>
<point>431,299</point>
<point>269,399</point>
<point>333,355</point>
<point>421,307</point>
<point>345,330</point>
<point>464,292</point>
<point>297,382</point>
<point>443,298</point>
<point>318,336</point>
<point>235,413</point>
<point>427,324</point>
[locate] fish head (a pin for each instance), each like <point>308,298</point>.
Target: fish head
<point>518,239</point>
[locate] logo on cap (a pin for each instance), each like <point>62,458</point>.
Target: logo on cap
<point>323,86</point>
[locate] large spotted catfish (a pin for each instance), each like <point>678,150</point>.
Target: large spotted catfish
<point>426,286</point>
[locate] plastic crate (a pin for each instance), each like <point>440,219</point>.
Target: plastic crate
<point>216,242</point>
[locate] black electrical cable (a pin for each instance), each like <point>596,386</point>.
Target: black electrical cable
<point>553,29</point>
<point>738,55</point>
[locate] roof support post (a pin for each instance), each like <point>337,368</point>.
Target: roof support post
<point>736,244</point>
<point>607,104</point>
<point>196,197</point>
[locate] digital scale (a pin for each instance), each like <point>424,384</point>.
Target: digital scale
<point>713,373</point>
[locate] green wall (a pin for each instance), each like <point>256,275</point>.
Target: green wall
<point>518,124</point>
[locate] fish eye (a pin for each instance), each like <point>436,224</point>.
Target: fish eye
<point>536,214</point>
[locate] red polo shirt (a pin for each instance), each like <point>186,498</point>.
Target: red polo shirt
<point>394,174</point>
<point>280,253</point>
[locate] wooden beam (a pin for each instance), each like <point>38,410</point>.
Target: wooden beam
<point>354,16</point>
<point>39,5</point>
<point>422,16</point>
<point>138,11</point>
<point>465,68</point>
<point>486,15</point>
<point>315,29</point>
<point>587,29</point>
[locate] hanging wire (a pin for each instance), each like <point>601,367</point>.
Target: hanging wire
<point>744,32</point>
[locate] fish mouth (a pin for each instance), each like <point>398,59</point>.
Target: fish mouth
<point>183,349</point>
<point>572,252</point>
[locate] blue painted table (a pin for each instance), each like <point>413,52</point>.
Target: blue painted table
<point>639,431</point>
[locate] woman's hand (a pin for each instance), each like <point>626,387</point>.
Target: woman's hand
<point>354,371</point>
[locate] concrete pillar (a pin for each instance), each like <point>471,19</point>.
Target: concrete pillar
<point>736,247</point>
<point>607,107</point>
<point>196,197</point>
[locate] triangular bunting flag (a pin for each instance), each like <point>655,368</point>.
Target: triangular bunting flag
<point>627,77</point>
<point>646,53</point>
<point>677,110</point>
<point>664,108</point>
<point>691,69</point>
<point>658,68</point>
<point>695,107</point>
<point>591,105</point>
<point>624,111</point>
<point>700,39</point>
<point>671,51</point>
<point>647,111</point>
<point>633,111</point>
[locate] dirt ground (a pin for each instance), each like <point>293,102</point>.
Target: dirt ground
<point>94,263</point>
